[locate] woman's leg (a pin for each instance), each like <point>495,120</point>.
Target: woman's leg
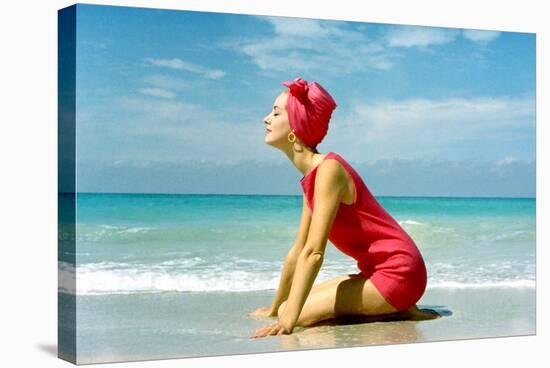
<point>349,295</point>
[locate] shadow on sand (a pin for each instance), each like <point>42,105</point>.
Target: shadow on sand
<point>424,313</point>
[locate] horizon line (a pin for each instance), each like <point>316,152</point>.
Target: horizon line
<point>294,195</point>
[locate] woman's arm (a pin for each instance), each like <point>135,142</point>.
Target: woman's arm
<point>330,185</point>
<point>290,261</point>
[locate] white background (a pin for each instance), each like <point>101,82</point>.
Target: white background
<point>28,202</point>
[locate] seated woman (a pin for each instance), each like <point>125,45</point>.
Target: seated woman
<point>337,205</point>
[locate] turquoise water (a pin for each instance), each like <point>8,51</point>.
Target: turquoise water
<point>160,276</point>
<point>133,243</point>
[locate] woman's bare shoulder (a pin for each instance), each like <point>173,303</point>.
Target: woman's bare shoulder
<point>331,170</point>
<point>331,178</point>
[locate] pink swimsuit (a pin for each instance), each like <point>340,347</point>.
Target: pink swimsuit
<point>385,253</point>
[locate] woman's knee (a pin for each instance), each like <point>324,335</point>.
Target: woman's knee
<point>321,302</point>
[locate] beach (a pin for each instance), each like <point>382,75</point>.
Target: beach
<point>174,276</point>
<point>171,325</point>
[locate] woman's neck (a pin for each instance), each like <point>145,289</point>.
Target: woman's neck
<point>305,161</point>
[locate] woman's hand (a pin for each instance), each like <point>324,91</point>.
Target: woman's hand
<point>262,312</point>
<point>273,329</point>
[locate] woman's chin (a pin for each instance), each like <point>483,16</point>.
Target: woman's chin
<point>275,143</point>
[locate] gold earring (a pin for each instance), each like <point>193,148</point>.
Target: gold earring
<point>293,137</point>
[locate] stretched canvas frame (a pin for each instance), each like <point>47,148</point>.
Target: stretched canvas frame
<point>148,290</point>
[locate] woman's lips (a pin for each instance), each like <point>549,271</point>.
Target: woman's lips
<point>267,130</point>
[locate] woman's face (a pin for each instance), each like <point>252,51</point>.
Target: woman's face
<point>277,125</point>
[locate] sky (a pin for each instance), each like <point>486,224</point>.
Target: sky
<point>172,101</point>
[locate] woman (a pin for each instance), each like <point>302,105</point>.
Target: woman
<point>338,206</point>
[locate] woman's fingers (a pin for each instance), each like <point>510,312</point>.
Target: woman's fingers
<point>271,330</point>
<point>261,332</point>
<point>265,331</point>
<point>268,328</point>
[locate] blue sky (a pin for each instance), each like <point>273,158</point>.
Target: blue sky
<point>173,102</point>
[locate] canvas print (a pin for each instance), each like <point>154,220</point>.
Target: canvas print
<point>237,183</point>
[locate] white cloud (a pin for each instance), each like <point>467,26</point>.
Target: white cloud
<point>507,161</point>
<point>417,127</point>
<point>312,45</point>
<point>418,36</point>
<point>412,128</point>
<point>164,111</point>
<point>480,36</point>
<point>194,172</point>
<point>175,129</point>
<point>463,113</point>
<point>335,48</point>
<point>422,37</point>
<point>170,83</point>
<point>179,64</point>
<point>157,92</point>
<point>298,27</point>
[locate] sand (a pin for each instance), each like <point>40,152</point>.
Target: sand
<point>178,325</point>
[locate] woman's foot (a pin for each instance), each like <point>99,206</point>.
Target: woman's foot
<point>422,314</point>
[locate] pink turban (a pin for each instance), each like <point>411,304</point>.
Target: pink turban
<point>309,110</point>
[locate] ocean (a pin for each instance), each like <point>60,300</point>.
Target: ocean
<point>171,275</point>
